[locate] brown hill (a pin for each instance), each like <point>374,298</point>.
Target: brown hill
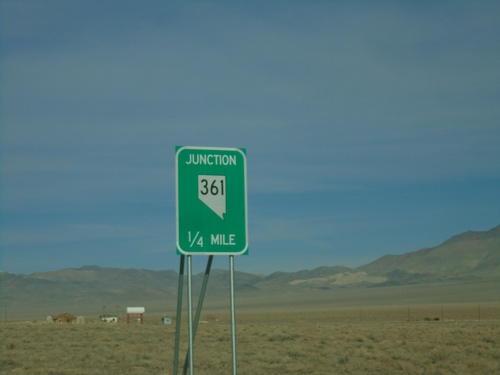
<point>470,254</point>
<point>471,258</point>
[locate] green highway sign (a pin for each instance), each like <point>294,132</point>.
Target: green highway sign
<point>211,201</point>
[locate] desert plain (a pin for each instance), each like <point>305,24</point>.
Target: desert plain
<point>273,338</point>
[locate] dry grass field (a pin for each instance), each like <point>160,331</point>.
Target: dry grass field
<point>372,340</point>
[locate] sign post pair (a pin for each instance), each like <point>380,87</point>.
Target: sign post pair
<point>212,219</point>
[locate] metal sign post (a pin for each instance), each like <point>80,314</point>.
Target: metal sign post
<point>233,315</point>
<point>190,314</point>
<point>187,362</point>
<point>179,314</point>
<point>211,207</point>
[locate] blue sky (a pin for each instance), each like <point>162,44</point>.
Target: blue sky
<point>370,127</point>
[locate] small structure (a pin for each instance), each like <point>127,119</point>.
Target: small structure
<point>166,320</point>
<point>137,312</point>
<point>108,318</point>
<point>64,318</point>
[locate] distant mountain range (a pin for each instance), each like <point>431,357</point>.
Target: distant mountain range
<point>470,256</point>
<point>467,255</point>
